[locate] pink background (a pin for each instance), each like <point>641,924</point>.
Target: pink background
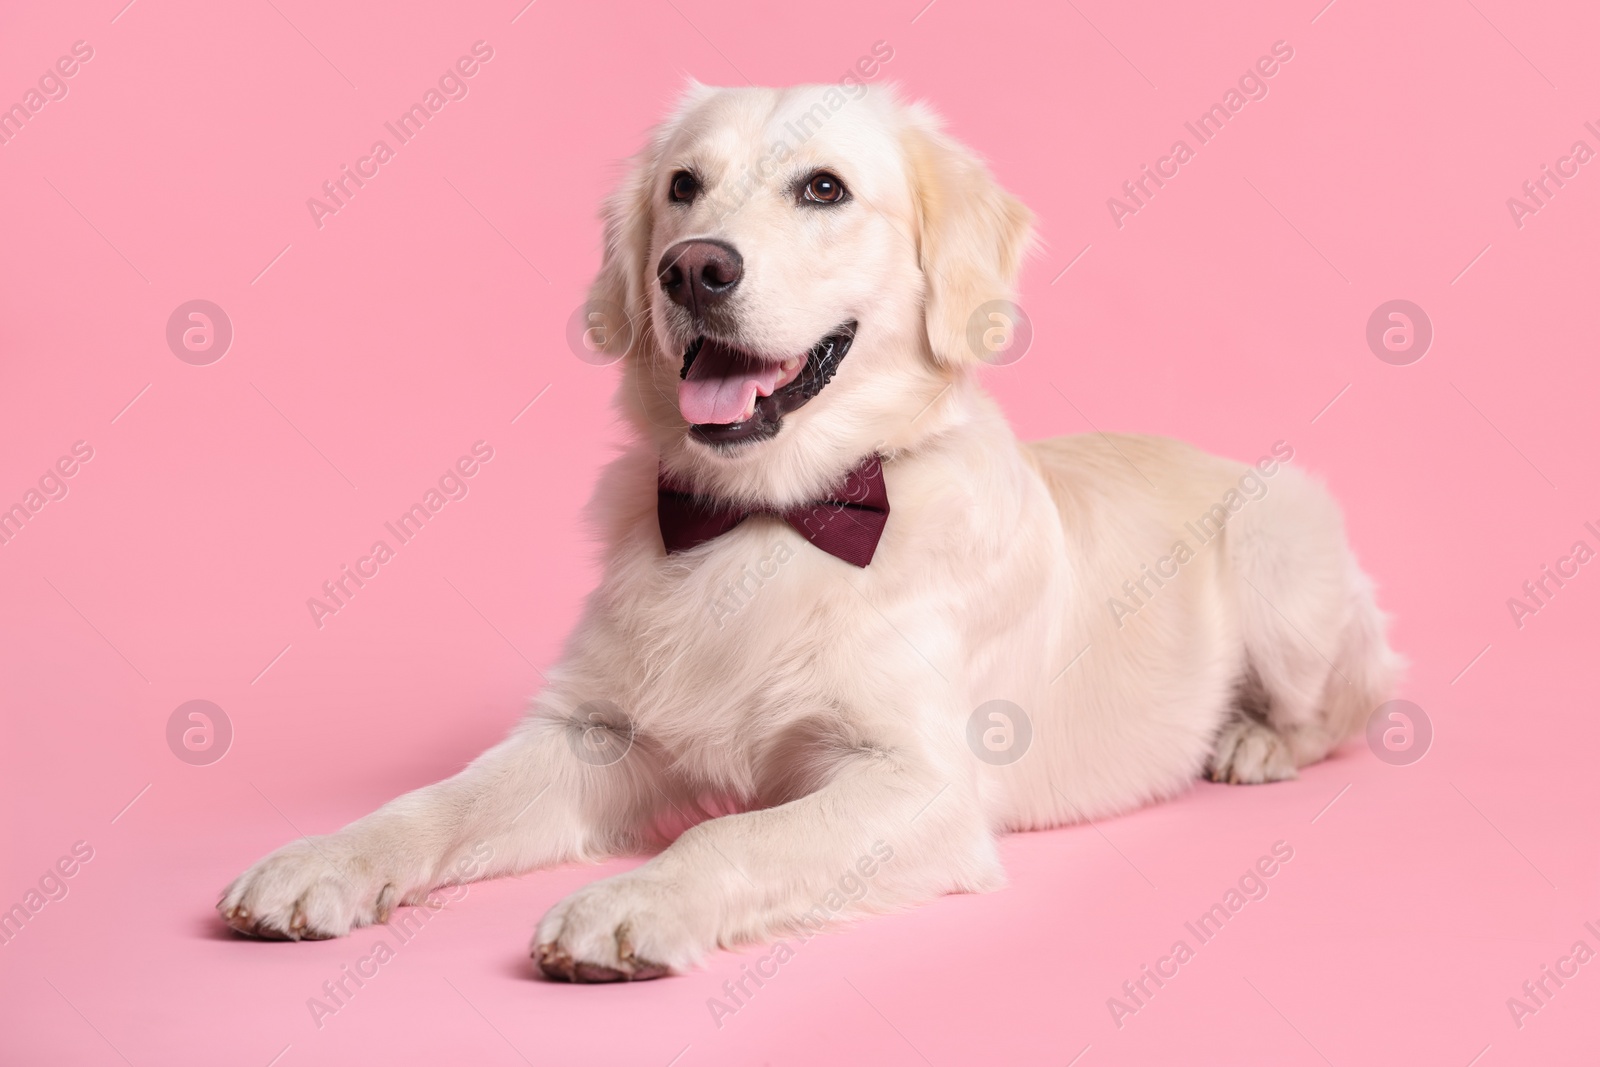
<point>432,309</point>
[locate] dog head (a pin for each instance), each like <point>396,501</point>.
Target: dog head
<point>799,270</point>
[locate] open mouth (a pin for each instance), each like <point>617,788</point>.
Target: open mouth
<point>732,396</point>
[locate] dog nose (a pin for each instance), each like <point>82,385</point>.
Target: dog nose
<point>699,275</point>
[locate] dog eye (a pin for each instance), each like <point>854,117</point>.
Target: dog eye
<point>823,188</point>
<point>684,187</point>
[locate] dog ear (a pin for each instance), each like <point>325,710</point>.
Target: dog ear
<point>618,310</point>
<point>971,238</point>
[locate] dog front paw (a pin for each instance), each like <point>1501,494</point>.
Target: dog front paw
<point>308,890</point>
<point>628,928</point>
<point>1251,753</point>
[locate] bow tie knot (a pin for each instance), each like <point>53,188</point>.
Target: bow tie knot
<point>847,522</point>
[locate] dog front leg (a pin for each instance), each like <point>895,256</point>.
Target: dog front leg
<point>883,831</point>
<point>538,798</point>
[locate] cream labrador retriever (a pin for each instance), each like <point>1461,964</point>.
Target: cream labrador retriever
<point>843,607</point>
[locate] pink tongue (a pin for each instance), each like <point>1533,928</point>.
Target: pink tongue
<point>721,384</point>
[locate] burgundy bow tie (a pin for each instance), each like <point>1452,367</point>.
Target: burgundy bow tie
<point>846,523</point>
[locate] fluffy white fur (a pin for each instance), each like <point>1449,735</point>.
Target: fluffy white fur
<point>830,713</point>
